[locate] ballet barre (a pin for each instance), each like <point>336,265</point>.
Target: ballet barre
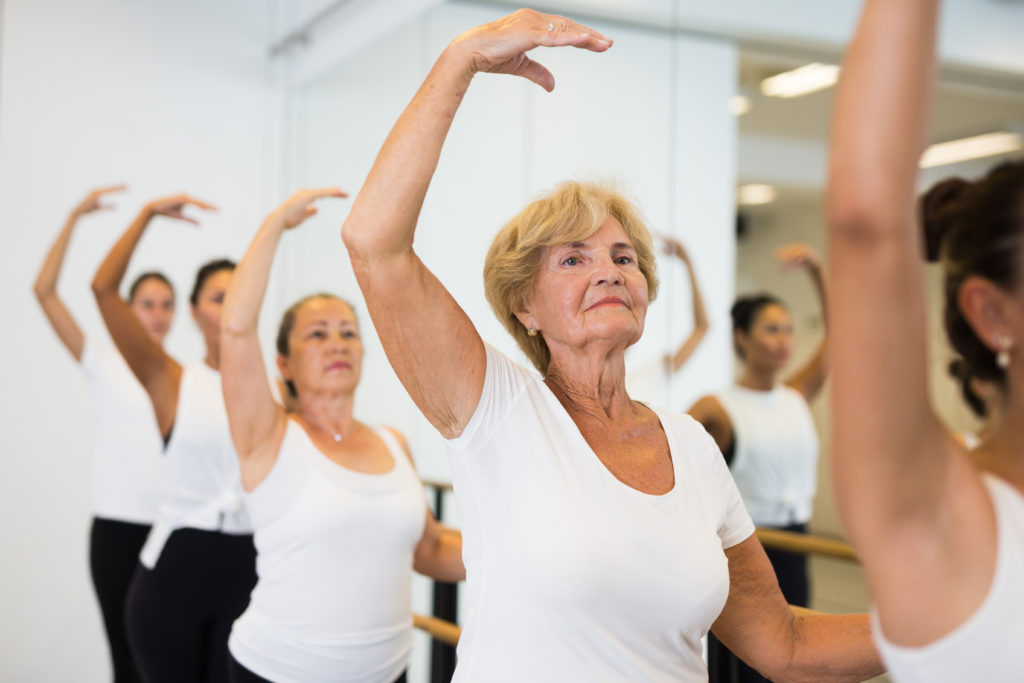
<point>806,544</point>
<point>438,629</point>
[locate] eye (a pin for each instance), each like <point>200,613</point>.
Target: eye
<point>349,334</point>
<point>217,298</point>
<point>623,260</point>
<point>571,261</point>
<point>317,334</point>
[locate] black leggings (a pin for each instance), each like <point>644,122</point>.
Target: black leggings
<point>239,674</point>
<point>791,570</point>
<point>113,557</point>
<point>180,612</point>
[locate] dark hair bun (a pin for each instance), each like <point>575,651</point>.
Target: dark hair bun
<point>935,214</point>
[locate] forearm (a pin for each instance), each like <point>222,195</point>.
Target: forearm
<point>111,272</point>
<point>383,217</point>
<point>245,294</point>
<point>443,561</point>
<point>46,282</point>
<point>835,648</point>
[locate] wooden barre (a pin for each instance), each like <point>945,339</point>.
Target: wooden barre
<point>806,544</point>
<point>440,485</point>
<point>439,629</point>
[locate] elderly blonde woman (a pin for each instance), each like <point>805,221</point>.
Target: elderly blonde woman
<point>602,538</point>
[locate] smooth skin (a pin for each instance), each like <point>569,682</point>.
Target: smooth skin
<point>767,349</point>
<point>159,374</point>
<point>909,495</point>
<point>153,303</point>
<point>324,364</point>
<point>589,304</point>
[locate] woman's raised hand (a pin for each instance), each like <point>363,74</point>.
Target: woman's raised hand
<point>299,206</point>
<point>797,255</point>
<point>501,46</point>
<point>174,207</point>
<point>93,201</point>
<point>674,247</point>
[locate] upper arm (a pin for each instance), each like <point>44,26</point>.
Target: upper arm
<point>430,341</point>
<point>64,324</point>
<point>756,623</point>
<point>708,411</point>
<point>156,371</point>
<point>253,415</point>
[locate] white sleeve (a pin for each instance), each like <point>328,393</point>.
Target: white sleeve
<point>734,522</point>
<point>504,382</point>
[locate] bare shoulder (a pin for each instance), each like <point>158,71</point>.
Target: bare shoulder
<point>708,410</point>
<point>402,441</point>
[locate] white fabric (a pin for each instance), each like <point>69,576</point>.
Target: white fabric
<point>571,574</point>
<point>775,453</point>
<point>128,444</point>
<point>200,481</point>
<point>334,560</point>
<point>983,648</point>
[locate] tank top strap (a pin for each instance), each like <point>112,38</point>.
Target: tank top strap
<point>398,453</point>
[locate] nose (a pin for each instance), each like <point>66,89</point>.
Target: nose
<point>607,272</point>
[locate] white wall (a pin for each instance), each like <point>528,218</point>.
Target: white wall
<point>166,96</point>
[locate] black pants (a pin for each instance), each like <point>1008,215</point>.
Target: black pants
<point>180,612</point>
<point>239,674</point>
<point>791,571</point>
<point>113,557</point>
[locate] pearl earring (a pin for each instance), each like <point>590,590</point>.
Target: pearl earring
<point>531,331</point>
<point>1004,344</point>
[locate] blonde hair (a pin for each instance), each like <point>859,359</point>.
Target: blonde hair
<point>571,212</point>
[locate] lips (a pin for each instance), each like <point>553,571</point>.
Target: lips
<point>340,365</point>
<point>607,301</point>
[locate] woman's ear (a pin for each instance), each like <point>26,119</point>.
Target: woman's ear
<point>282,367</point>
<point>989,310</point>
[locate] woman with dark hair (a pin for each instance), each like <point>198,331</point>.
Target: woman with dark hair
<point>939,529</point>
<point>763,424</point>
<point>602,538</point>
<point>198,564</point>
<point>124,482</point>
<point>338,511</point>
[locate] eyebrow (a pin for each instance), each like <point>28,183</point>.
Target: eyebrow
<point>584,245</point>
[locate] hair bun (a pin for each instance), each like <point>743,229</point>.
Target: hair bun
<point>935,213</point>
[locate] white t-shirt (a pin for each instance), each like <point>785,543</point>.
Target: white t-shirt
<point>775,453</point>
<point>334,558</point>
<point>983,648</point>
<point>571,574</point>
<point>128,444</point>
<point>200,480</point>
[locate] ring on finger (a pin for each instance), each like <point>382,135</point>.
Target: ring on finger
<point>551,27</point>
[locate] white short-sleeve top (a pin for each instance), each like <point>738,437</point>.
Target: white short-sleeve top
<point>985,647</point>
<point>128,444</point>
<point>571,574</point>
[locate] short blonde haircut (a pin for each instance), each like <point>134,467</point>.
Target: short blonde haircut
<point>571,212</point>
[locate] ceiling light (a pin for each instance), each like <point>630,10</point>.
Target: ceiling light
<point>754,195</point>
<point>807,79</point>
<point>971,148</point>
<point>739,105</point>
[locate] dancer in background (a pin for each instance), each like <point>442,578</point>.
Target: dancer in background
<point>674,362</point>
<point>198,564</point>
<point>338,511</point>
<point>124,484</point>
<point>763,424</point>
<point>602,538</point>
<point>939,531</point>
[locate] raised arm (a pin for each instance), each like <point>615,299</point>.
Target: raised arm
<point>913,505</point>
<point>158,373</point>
<point>431,343</point>
<point>809,379</point>
<point>257,421</point>
<point>45,288</point>
<point>700,315</point>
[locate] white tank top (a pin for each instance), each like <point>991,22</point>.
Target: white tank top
<point>200,481</point>
<point>775,453</point>
<point>128,445</point>
<point>983,648</point>
<point>334,551</point>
